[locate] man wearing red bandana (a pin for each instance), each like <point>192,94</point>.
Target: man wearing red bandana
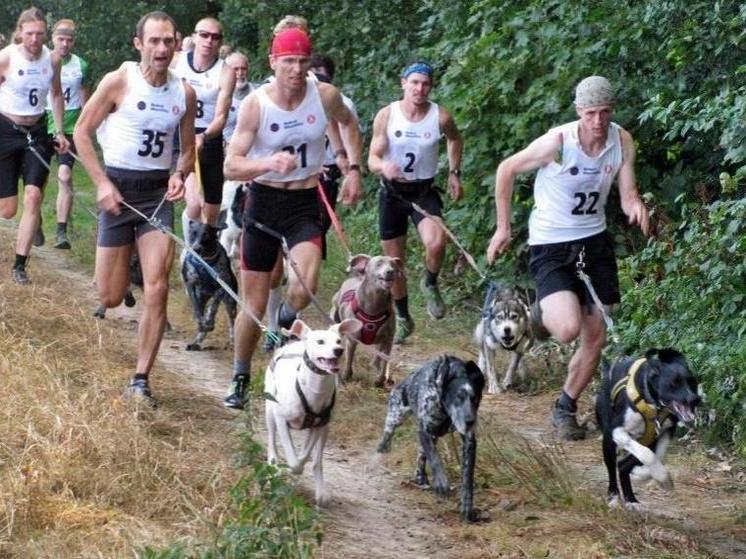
<point>278,146</point>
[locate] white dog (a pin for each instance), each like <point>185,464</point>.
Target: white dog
<point>300,384</point>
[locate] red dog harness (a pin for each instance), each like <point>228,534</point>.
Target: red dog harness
<point>371,323</point>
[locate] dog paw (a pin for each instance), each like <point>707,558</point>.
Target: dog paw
<point>322,497</point>
<point>421,482</point>
<point>100,312</point>
<point>442,488</point>
<point>474,515</point>
<point>640,474</point>
<point>635,507</point>
<point>614,502</point>
<point>193,347</point>
<point>661,475</point>
<point>297,469</point>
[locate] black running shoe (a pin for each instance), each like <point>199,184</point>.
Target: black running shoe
<point>139,389</point>
<point>236,398</point>
<point>129,299</point>
<point>566,423</point>
<point>20,276</point>
<point>62,242</point>
<point>38,239</point>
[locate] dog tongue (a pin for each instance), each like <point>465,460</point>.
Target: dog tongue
<point>683,412</point>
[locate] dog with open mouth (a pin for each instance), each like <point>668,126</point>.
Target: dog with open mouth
<point>366,296</point>
<point>505,324</point>
<point>639,406</point>
<point>300,387</point>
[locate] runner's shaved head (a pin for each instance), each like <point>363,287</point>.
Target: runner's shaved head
<point>208,20</point>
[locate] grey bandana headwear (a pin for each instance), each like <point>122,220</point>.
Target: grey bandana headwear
<point>594,90</point>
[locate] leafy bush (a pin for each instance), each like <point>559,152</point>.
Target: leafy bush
<point>689,292</point>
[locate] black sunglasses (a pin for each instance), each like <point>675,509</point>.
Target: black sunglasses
<point>208,35</point>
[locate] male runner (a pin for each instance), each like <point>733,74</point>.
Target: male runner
<point>404,153</point>
<point>239,63</point>
<point>213,82</point>
<point>74,77</point>
<point>28,71</point>
<point>577,163</point>
<point>279,146</point>
<point>139,107</point>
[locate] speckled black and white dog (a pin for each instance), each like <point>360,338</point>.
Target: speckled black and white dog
<point>444,395</point>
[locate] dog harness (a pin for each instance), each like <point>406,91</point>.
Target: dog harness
<point>311,419</point>
<point>371,323</point>
<point>653,416</point>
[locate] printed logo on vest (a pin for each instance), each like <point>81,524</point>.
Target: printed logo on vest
<point>20,72</point>
<point>426,135</point>
<point>574,171</point>
<point>175,110</point>
<point>397,133</point>
<point>607,168</point>
<point>310,119</point>
<point>274,127</point>
<point>141,105</point>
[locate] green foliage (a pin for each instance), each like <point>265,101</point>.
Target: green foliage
<point>268,518</point>
<point>689,292</point>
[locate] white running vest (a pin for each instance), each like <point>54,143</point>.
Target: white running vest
<point>413,145</point>
<point>329,158</point>
<point>71,77</point>
<point>206,85</point>
<point>570,196</point>
<point>139,134</point>
<point>27,82</point>
<point>300,132</point>
<point>230,122</point>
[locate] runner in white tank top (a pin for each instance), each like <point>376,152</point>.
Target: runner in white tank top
<point>279,145</point>
<point>577,163</point>
<point>214,82</point>
<point>27,72</point>
<point>404,153</point>
<point>74,77</point>
<point>140,106</point>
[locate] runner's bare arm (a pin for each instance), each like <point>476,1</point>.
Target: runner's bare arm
<point>632,204</point>
<point>237,165</point>
<point>104,100</point>
<point>185,163</point>
<point>540,152</point>
<point>378,146</point>
<point>223,103</point>
<point>455,148</point>
<point>352,140</point>
<point>4,61</point>
<point>58,105</point>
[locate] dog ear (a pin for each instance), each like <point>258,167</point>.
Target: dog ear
<point>348,326</point>
<point>399,265</point>
<point>476,376</point>
<point>445,372</point>
<point>299,329</point>
<point>358,263</point>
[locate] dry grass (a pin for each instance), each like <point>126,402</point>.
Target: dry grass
<point>82,473</point>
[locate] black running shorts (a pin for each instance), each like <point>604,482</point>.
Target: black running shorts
<point>553,268</point>
<point>294,214</point>
<point>143,190</point>
<point>211,158</point>
<point>17,160</point>
<point>395,206</point>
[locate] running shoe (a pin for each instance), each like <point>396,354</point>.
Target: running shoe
<point>38,239</point>
<point>139,389</point>
<point>20,276</point>
<point>434,301</point>
<point>404,329</point>
<point>566,423</point>
<point>236,398</point>
<point>62,242</point>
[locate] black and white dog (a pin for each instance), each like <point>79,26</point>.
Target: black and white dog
<point>444,395</point>
<point>506,324</point>
<point>640,403</point>
<point>204,292</point>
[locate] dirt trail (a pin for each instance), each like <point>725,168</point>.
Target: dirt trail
<point>366,515</point>
<point>372,516</point>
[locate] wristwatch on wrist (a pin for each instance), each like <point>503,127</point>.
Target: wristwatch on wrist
<point>342,152</point>
<point>356,167</point>
<point>455,172</point>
